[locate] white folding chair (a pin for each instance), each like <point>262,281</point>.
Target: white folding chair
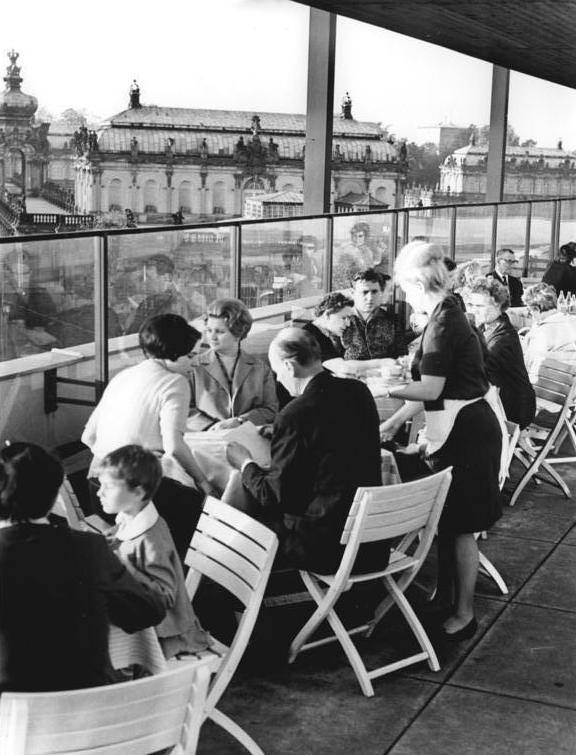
<point>409,511</point>
<point>131,718</point>
<point>486,566</point>
<point>236,552</point>
<point>555,391</point>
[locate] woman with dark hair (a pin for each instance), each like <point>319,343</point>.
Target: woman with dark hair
<point>488,300</point>
<point>59,589</point>
<point>333,315</point>
<point>147,404</point>
<point>228,385</point>
<point>561,273</point>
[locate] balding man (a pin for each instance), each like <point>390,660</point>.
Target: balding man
<point>325,444</point>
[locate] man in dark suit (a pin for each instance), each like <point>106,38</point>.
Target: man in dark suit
<point>505,261</point>
<point>59,589</point>
<point>325,444</point>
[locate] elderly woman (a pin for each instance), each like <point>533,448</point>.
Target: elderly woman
<point>561,273</point>
<point>553,333</point>
<point>230,386</point>
<point>333,315</point>
<point>450,383</point>
<point>487,301</point>
<point>147,404</point>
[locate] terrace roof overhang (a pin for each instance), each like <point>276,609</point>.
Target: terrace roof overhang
<point>533,37</point>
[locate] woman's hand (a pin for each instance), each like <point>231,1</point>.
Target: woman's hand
<point>389,429</point>
<point>266,431</point>
<point>226,424</point>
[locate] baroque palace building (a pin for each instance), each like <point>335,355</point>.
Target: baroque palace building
<point>531,173</point>
<point>159,161</point>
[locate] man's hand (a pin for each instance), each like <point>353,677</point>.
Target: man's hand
<point>237,454</point>
<point>226,424</point>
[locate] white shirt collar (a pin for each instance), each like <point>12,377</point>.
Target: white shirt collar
<point>132,527</point>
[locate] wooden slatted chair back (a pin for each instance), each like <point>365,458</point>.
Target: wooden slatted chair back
<point>555,382</point>
<point>393,511</point>
<point>236,552</point>
<point>131,718</point>
<point>232,549</point>
<point>67,505</point>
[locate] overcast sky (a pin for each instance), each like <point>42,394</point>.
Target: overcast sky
<point>252,55</point>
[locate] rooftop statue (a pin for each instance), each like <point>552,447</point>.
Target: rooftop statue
<point>134,96</point>
<point>346,113</point>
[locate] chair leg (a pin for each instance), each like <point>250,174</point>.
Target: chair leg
<point>325,601</point>
<point>488,568</point>
<point>325,610</point>
<point>554,474</point>
<point>236,731</point>
<point>383,607</point>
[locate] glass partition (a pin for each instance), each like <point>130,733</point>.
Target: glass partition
<point>169,271</point>
<point>511,233</point>
<point>540,253</point>
<point>567,221</point>
<point>283,261</point>
<point>46,295</point>
<point>431,225</point>
<point>361,241</point>
<point>474,236</point>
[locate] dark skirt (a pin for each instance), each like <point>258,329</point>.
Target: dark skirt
<point>473,450</point>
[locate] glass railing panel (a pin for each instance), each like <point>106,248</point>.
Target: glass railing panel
<point>176,271</point>
<point>283,261</point>
<point>540,253</point>
<point>431,225</point>
<point>474,236</point>
<point>511,233</point>
<point>46,295</point>
<point>362,241</point>
<point>567,221</point>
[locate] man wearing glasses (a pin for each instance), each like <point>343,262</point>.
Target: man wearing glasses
<point>505,262</point>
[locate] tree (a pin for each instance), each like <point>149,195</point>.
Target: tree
<point>74,118</point>
<point>529,143</point>
<point>423,164</point>
<point>483,134</point>
<point>44,116</point>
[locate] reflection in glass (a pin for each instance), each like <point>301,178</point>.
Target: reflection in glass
<point>283,261</point>
<point>360,242</point>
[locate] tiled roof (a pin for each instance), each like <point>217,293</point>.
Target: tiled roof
<point>154,141</point>
<point>517,151</point>
<point>234,120</point>
<point>286,197</point>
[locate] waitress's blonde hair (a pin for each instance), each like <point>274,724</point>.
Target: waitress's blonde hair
<point>421,262</point>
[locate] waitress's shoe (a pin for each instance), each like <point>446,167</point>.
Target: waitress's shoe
<point>466,633</point>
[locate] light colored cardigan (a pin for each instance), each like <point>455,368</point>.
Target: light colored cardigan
<point>253,395</point>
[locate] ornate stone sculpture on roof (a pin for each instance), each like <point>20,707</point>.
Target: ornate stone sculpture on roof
<point>346,105</point>
<point>134,94</point>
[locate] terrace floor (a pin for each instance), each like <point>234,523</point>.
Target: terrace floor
<point>511,689</point>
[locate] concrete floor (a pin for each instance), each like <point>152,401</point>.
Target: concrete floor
<point>511,689</point>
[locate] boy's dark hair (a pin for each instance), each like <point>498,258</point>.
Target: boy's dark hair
<point>332,303</point>
<point>30,479</point>
<point>137,466</point>
<point>167,337</point>
<point>370,275</point>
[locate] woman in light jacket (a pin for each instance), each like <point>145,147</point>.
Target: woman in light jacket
<point>228,385</point>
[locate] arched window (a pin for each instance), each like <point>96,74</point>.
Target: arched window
<point>350,186</point>
<point>288,187</point>
<point>219,198</point>
<point>185,197</point>
<point>150,196</point>
<point>381,194</point>
<point>115,194</point>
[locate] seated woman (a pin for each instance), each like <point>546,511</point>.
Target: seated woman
<point>59,589</point>
<point>553,333</point>
<point>148,404</point>
<point>487,301</point>
<point>333,315</point>
<point>228,385</point>
<point>561,273</point>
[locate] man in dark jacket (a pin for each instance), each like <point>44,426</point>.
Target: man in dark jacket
<point>59,589</point>
<point>325,444</point>
<point>505,261</point>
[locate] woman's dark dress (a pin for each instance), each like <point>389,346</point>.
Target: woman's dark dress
<point>330,345</point>
<point>451,349</point>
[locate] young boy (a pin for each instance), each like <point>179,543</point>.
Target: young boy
<point>129,477</point>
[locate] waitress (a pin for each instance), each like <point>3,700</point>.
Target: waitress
<point>462,428</point>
